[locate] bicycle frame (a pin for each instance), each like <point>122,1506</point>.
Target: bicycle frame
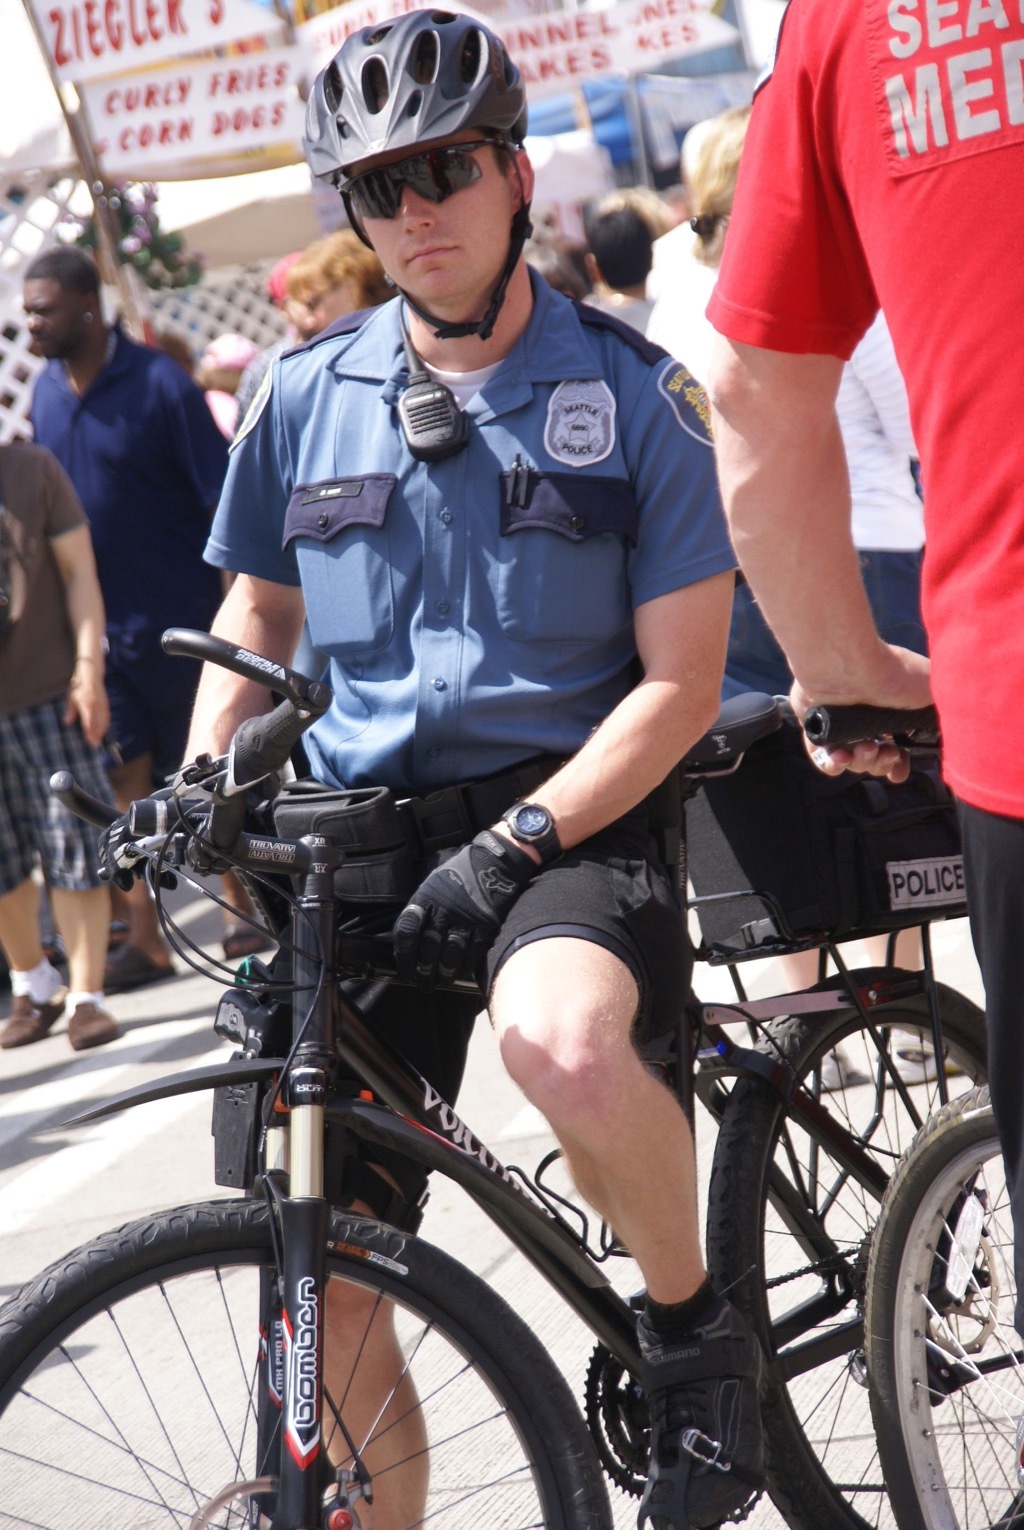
<point>408,1116</point>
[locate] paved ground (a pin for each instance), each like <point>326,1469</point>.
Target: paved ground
<point>59,1187</point>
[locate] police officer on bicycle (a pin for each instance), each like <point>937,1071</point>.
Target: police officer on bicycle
<point>498,509</point>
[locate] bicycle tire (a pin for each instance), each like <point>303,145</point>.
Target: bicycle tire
<point>127,1373</point>
<point>823,1469</point>
<point>947,1382</point>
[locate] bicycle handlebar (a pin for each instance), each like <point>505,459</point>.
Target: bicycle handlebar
<point>841,727</point>
<point>67,791</point>
<point>299,689</point>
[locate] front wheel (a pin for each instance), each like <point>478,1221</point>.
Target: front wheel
<point>946,1368</point>
<point>131,1393</point>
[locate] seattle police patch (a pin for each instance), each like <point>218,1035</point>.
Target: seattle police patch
<point>688,400</point>
<point>580,427</point>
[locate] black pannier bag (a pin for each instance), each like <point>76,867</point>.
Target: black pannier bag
<point>817,857</point>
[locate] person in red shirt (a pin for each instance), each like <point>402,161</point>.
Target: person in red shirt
<point>883,168</point>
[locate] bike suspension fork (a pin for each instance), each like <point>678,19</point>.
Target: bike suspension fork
<point>303,1213</point>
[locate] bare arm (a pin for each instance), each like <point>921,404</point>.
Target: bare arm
<point>681,639</point>
<point>786,493</point>
<point>265,618</point>
<point>87,697</point>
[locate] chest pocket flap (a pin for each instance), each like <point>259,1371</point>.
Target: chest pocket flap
<point>570,587</point>
<point>320,510</point>
<point>575,506</point>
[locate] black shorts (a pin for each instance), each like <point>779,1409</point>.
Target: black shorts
<point>609,890</point>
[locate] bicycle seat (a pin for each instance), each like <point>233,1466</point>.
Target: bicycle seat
<point>741,722</point>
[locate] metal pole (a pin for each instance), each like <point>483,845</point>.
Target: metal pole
<point>636,133</point>
<point>74,113</point>
<point>743,23</point>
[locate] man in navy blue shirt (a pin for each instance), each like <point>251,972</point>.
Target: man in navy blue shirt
<point>137,440</point>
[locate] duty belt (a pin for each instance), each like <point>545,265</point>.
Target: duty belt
<point>453,814</point>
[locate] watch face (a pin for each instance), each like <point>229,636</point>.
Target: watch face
<point>532,819</point>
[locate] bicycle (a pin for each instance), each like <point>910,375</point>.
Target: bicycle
<point>946,1363</point>
<point>175,1367</point>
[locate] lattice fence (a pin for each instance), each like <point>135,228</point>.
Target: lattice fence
<point>31,214</point>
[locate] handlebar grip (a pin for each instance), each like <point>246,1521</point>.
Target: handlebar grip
<point>67,790</point>
<point>264,744</point>
<point>841,727</point>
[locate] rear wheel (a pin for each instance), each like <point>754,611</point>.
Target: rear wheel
<point>130,1388</point>
<point>947,1372</point>
<point>789,1233</point>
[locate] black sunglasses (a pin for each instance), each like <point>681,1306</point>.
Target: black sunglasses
<point>436,175</point>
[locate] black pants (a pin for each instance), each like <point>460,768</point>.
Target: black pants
<point>994,868</point>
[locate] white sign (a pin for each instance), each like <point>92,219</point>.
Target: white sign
<point>87,39</point>
<point>198,108</point>
<point>323,35</point>
<point>558,52</point>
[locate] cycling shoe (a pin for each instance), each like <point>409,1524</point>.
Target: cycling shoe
<point>707,1447</point>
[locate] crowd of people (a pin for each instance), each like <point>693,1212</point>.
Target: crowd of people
<point>544,595</point>
<point>105,521</point>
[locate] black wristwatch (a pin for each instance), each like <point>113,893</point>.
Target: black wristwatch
<point>533,825</point>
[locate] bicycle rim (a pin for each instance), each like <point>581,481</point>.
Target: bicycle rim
<point>947,1379</point>
<point>789,1233</point>
<point>130,1390</point>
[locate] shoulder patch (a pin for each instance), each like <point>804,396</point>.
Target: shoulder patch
<point>580,426</point>
<point>597,318</point>
<point>688,400</point>
<point>259,402</point>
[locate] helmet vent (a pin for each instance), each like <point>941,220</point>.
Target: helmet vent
<point>376,85</point>
<point>425,59</point>
<point>471,57</point>
<point>332,86</point>
<point>414,103</point>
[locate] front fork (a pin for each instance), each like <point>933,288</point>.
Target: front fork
<point>302,1215</point>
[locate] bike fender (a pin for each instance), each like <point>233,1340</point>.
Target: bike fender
<point>243,1070</point>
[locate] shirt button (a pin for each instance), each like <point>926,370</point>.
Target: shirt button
<point>577,523</point>
<point>440,685</point>
<point>433,753</point>
<point>446,517</point>
<point>321,521</point>
<point>443,607</point>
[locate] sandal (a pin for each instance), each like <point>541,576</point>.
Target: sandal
<point>245,940</point>
<point>128,967</point>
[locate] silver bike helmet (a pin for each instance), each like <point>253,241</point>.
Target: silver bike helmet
<point>406,84</point>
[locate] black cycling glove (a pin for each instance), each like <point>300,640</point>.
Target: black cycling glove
<point>120,861</point>
<point>447,928</point>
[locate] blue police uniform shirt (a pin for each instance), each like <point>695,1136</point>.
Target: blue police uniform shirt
<point>475,611</point>
<point>148,462</point>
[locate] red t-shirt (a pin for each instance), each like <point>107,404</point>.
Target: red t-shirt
<point>884,166</point>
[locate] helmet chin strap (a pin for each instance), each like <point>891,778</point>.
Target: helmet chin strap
<point>521,230</point>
